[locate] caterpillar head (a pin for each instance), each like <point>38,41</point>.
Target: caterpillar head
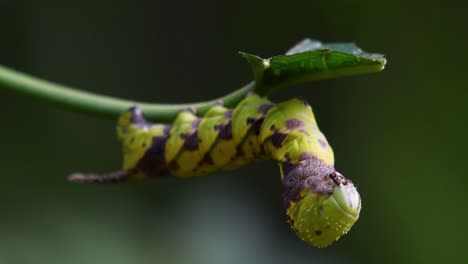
<point>321,204</point>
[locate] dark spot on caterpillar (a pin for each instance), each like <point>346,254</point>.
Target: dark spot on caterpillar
<point>277,139</point>
<point>334,176</point>
<point>262,150</point>
<point>153,162</point>
<point>310,173</point>
<point>264,108</point>
<point>195,123</point>
<point>294,123</point>
<point>143,145</point>
<point>190,141</point>
<point>250,120</point>
<point>256,125</point>
<point>290,182</point>
<point>225,130</point>
<point>208,160</point>
<point>338,178</point>
<point>322,143</point>
<point>272,128</point>
<point>318,232</point>
<point>239,151</point>
<point>135,110</point>
<point>228,113</point>
<point>137,117</point>
<point>167,129</point>
<point>173,165</point>
<point>132,140</point>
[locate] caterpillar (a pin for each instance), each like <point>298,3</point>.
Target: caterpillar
<point>321,204</point>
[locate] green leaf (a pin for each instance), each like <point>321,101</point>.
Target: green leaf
<point>311,60</point>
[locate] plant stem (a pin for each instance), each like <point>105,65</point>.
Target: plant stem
<point>100,105</point>
<point>309,60</point>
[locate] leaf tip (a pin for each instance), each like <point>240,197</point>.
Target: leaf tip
<point>255,61</point>
<point>258,64</point>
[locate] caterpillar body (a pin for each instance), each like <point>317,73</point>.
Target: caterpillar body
<point>321,205</point>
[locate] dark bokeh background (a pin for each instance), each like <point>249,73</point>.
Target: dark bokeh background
<point>401,135</point>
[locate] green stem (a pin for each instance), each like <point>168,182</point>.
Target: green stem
<point>100,105</point>
<point>309,60</point>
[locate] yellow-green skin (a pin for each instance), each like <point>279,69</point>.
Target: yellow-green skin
<point>321,205</point>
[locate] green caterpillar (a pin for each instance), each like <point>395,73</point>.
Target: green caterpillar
<point>321,205</point>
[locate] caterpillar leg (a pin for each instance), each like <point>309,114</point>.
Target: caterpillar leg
<point>113,177</point>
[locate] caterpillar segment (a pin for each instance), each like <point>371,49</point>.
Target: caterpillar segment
<point>321,205</point>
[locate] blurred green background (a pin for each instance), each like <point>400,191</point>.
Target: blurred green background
<point>400,135</point>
